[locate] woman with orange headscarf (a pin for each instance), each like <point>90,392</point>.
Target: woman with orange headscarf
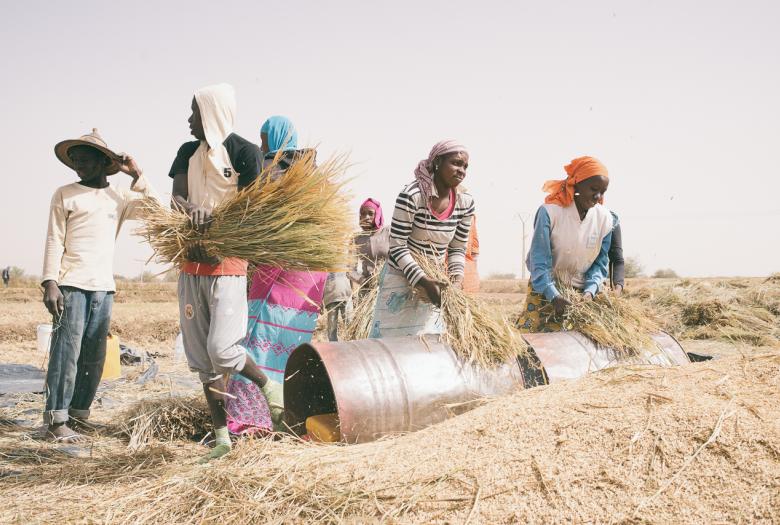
<point>572,236</point>
<point>470,273</point>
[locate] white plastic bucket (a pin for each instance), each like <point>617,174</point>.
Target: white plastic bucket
<point>178,349</point>
<point>43,333</point>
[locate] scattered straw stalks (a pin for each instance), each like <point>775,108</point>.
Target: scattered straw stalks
<point>473,332</point>
<point>124,467</point>
<point>286,481</point>
<point>610,321</point>
<point>296,219</point>
<point>166,419</point>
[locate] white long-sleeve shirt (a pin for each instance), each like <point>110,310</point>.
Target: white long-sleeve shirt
<point>83,225</point>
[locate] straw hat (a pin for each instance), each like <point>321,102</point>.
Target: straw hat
<point>93,140</point>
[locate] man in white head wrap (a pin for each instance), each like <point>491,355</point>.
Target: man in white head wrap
<point>212,293</point>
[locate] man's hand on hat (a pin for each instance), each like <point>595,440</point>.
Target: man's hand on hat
<point>128,165</point>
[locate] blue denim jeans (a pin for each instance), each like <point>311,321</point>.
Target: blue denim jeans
<point>77,355</point>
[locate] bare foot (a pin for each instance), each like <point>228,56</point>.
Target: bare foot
<point>62,433</point>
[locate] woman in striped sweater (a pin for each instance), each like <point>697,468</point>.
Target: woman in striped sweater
<point>431,220</point>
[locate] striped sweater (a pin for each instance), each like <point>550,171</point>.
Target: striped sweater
<point>415,230</point>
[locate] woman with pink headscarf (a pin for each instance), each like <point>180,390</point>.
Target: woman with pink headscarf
<point>431,219</point>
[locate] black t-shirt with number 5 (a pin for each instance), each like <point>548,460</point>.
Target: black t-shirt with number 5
<point>245,156</point>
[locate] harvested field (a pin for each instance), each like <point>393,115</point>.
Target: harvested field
<point>738,310</point>
<point>698,444</point>
<point>637,444</point>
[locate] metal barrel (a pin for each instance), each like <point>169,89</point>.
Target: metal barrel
<point>569,355</point>
<point>380,387</point>
<point>386,386</point>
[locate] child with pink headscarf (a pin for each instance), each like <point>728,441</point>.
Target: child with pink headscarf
<point>371,244</point>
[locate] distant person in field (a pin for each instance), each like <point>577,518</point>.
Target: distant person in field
<point>571,242</point>
<point>617,265</point>
<point>78,282</point>
<point>371,245</point>
<point>470,272</point>
<point>212,293</point>
<point>6,276</point>
<point>431,219</point>
<point>337,300</point>
<point>283,304</point>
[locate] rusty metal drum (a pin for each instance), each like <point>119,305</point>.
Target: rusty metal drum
<point>569,355</point>
<point>380,387</point>
<point>386,386</point>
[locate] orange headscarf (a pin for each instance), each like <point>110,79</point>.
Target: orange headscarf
<point>561,192</point>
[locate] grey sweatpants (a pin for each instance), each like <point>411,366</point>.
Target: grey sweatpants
<point>213,317</point>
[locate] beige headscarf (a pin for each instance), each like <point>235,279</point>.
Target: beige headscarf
<point>211,177</point>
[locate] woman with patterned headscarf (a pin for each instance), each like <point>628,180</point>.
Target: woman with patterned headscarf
<point>571,241</point>
<point>283,304</point>
<point>431,219</point>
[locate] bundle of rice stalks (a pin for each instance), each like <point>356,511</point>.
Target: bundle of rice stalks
<point>612,322</point>
<point>474,334</point>
<point>299,220</point>
<point>701,313</point>
<point>364,299</point>
<point>167,419</point>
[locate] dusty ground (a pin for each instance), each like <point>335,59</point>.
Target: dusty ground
<point>145,317</point>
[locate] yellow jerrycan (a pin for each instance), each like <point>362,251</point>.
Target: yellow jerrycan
<point>112,368</point>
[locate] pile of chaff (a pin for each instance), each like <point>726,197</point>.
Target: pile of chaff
<point>629,444</point>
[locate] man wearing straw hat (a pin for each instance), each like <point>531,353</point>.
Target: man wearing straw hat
<point>78,275</point>
<point>212,293</point>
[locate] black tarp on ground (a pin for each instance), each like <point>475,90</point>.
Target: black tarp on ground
<point>21,379</point>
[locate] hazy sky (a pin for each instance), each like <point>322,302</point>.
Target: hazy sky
<point>680,100</point>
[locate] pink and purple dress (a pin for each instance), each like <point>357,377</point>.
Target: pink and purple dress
<point>283,310</point>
